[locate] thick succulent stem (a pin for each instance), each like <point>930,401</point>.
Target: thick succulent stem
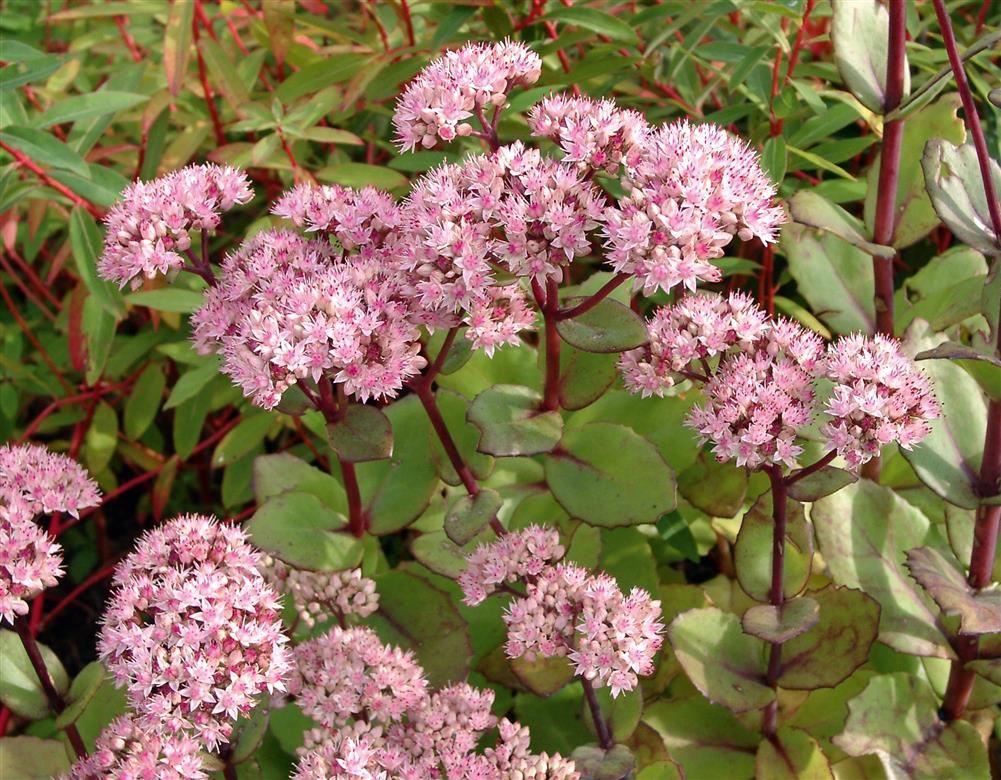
<point>988,519</point>
<point>333,410</point>
<point>549,302</point>
<point>56,702</point>
<point>776,593</point>
<point>600,725</point>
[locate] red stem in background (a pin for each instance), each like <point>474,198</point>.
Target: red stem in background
<point>56,703</point>
<point>30,164</point>
<point>889,166</point>
<point>220,137</point>
<point>30,335</point>
<point>408,22</point>
<point>129,41</point>
<point>988,519</point>
<point>776,594</point>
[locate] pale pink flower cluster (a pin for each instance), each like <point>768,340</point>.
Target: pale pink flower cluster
<point>611,638</point>
<point>346,673</point>
<point>695,329</point>
<point>321,595</point>
<point>34,481</point>
<point>148,230</point>
<point>514,557</point>
<point>594,134</point>
<point>378,720</point>
<point>365,220</point>
<point>760,399</point>
<point>880,396</point>
<point>288,309</point>
<point>125,750</point>
<point>372,756</point>
<point>441,101</point>
<point>192,630</point>
<point>689,190</point>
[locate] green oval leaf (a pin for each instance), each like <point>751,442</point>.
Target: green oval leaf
<point>752,553</point>
<point>608,327</point>
<point>303,532</point>
<point>363,434</point>
<point>470,514</point>
<point>608,475</point>
<point>19,686</point>
<point>511,423</point>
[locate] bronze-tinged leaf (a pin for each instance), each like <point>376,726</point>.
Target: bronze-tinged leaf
<point>780,624</point>
<point>792,755</point>
<point>177,43</point>
<point>941,576</point>
<point>828,653</point>
<point>896,718</point>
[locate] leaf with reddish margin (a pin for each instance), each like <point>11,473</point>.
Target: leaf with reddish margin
<point>819,484</point>
<point>780,624</point>
<point>941,576</point>
<point>792,755</point>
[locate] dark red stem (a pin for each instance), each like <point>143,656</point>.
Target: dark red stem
<point>988,519</point>
<point>333,411</point>
<point>776,594</point>
<point>549,302</point>
<point>56,703</point>
<point>889,166</point>
<point>600,725</point>
<point>796,476</point>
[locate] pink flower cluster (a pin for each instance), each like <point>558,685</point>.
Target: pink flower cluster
<point>34,481</point>
<point>125,750</point>
<point>611,638</point>
<point>149,228</point>
<point>514,557</point>
<point>596,135</point>
<point>689,190</point>
<point>879,396</point>
<point>321,595</point>
<point>695,329</point>
<point>365,220</point>
<point>286,309</point>
<point>440,102</point>
<point>378,720</point>
<point>192,630</point>
<point>763,392</point>
<point>350,672</point>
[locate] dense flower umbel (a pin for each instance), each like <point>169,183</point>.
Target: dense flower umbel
<point>42,482</point>
<point>879,396</point>
<point>511,209</point>
<point>126,750</point>
<point>148,230</point>
<point>689,190</point>
<point>516,556</point>
<point>350,672</point>
<point>363,220</point>
<point>34,481</point>
<point>288,308</point>
<point>697,328</point>
<point>593,134</point>
<point>758,401</point>
<point>192,630</point>
<point>322,595</point>
<point>456,90</point>
<point>611,638</point>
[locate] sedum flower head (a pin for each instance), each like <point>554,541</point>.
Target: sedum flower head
<point>41,482</point>
<point>756,405</point>
<point>689,190</point>
<point>34,481</point>
<point>445,98</point>
<point>192,630</point>
<point>595,135</point>
<point>126,750</point>
<point>879,396</point>
<point>289,308</point>
<point>149,229</point>
<point>30,562</point>
<point>696,328</point>
<point>321,595</point>
<point>611,638</point>
<point>363,219</point>
<point>516,556</point>
<point>496,317</point>
<point>347,673</point>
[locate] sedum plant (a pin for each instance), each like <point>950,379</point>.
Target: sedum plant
<point>518,477</point>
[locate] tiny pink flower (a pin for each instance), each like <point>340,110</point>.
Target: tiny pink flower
<point>515,556</point>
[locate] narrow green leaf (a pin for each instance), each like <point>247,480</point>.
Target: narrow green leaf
<point>167,299</point>
<point>144,400</point>
<point>177,44</point>
<point>44,148</point>
<point>93,104</point>
<point>595,20</point>
<point>85,240</point>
